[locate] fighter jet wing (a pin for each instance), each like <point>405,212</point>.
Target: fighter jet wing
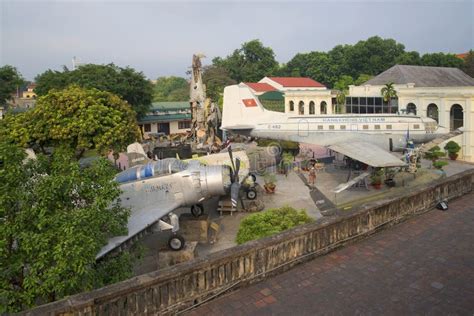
<point>368,153</point>
<point>139,220</point>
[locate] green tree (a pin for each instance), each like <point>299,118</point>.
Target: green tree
<point>468,66</point>
<point>441,60</point>
<point>251,62</point>
<point>55,219</point>
<point>128,84</point>
<point>10,80</point>
<point>216,79</point>
<point>77,118</point>
<point>341,101</point>
<point>362,79</point>
<point>343,83</point>
<point>409,58</point>
<point>171,89</point>
<point>270,222</point>
<point>388,92</point>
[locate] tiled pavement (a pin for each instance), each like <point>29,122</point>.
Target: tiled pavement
<point>424,266</point>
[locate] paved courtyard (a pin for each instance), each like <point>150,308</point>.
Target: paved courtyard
<point>424,266</point>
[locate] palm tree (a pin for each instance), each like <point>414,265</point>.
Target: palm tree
<point>388,92</point>
<point>340,101</point>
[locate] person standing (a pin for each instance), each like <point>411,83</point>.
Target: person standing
<point>312,175</point>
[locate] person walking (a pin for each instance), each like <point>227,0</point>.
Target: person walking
<point>312,176</point>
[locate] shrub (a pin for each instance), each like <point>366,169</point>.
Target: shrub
<point>270,222</point>
<point>440,164</point>
<point>452,147</point>
<point>434,153</point>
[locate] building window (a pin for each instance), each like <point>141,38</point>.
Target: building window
<point>432,112</point>
<point>376,126</point>
<point>416,126</point>
<point>389,126</point>
<point>147,128</point>
<point>292,106</point>
<point>411,108</point>
<point>301,108</point>
<point>365,126</point>
<point>331,126</point>
<point>311,108</point>
<point>324,107</point>
<point>342,127</point>
<point>184,124</point>
<point>320,127</point>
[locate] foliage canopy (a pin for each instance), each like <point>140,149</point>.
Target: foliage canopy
<point>270,222</point>
<point>55,219</point>
<point>77,118</point>
<point>10,79</point>
<point>130,85</point>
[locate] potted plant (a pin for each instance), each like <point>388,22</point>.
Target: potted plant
<point>434,154</point>
<point>452,148</point>
<point>270,180</point>
<point>376,178</point>
<point>440,164</point>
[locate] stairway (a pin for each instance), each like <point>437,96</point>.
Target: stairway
<point>439,140</point>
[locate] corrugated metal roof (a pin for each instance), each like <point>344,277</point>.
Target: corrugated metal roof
<point>164,106</point>
<point>164,118</point>
<point>260,86</point>
<point>292,82</point>
<point>423,76</point>
<point>368,153</point>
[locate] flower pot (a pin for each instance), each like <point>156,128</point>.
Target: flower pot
<point>453,156</point>
<point>269,188</point>
<point>377,186</point>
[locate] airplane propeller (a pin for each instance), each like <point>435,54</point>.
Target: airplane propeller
<point>235,186</point>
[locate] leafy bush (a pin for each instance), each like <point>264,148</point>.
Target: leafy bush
<point>270,222</point>
<point>434,153</point>
<point>440,164</point>
<point>452,147</point>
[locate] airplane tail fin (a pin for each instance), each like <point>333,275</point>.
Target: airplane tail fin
<point>136,155</point>
<point>242,109</point>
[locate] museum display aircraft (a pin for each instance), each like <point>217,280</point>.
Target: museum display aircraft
<point>359,136</point>
<point>155,189</point>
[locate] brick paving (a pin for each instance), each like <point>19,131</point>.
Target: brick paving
<point>424,266</point>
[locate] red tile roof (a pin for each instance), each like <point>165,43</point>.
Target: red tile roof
<point>462,56</point>
<point>260,87</point>
<point>297,82</point>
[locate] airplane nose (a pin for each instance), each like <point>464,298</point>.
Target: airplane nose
<point>218,180</point>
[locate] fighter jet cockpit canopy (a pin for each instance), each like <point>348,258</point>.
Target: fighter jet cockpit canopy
<point>152,169</point>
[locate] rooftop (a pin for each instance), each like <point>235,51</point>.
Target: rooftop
<point>166,106</point>
<point>291,82</point>
<point>260,86</point>
<point>423,76</point>
<point>164,118</point>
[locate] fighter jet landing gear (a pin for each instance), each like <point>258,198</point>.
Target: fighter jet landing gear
<point>197,210</point>
<point>176,242</point>
<point>251,193</point>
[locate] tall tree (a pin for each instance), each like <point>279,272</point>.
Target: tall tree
<point>251,62</point>
<point>55,219</point>
<point>388,92</point>
<point>441,60</point>
<point>468,66</point>
<point>76,118</point>
<point>130,85</point>
<point>409,58</point>
<point>171,89</point>
<point>10,80</point>
<point>362,78</point>
<point>216,79</point>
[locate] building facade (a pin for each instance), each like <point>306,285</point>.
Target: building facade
<point>167,118</point>
<point>444,94</point>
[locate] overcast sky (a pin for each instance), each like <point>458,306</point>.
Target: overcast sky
<point>159,37</point>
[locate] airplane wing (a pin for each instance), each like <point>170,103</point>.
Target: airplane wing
<point>139,220</point>
<point>368,153</point>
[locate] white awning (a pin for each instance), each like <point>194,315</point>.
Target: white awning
<point>368,153</point>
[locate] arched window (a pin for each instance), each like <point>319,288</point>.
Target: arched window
<point>432,111</point>
<point>301,108</point>
<point>292,106</point>
<point>324,107</point>
<point>411,108</point>
<point>456,116</point>
<point>311,108</point>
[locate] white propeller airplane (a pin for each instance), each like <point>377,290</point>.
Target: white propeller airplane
<point>373,134</point>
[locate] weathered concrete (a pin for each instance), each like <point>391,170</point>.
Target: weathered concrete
<point>168,257</point>
<point>178,287</point>
<point>194,228</point>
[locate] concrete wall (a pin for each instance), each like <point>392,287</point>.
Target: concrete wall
<point>176,288</point>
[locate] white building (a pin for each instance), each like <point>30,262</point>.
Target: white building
<point>444,94</point>
<point>303,96</point>
<point>168,118</point>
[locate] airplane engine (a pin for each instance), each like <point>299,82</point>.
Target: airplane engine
<point>204,182</point>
